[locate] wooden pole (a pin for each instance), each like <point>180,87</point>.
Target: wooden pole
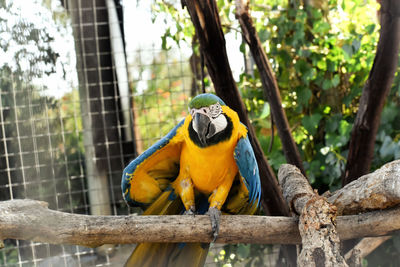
<point>32,220</point>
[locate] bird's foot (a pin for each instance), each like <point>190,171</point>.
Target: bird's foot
<point>215,215</point>
<point>190,211</point>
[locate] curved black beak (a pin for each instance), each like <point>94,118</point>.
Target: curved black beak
<point>201,124</point>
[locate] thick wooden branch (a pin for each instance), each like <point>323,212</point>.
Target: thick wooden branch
<point>269,83</point>
<point>374,93</point>
<point>317,225</point>
<point>377,190</point>
<point>363,249</point>
<point>32,220</point>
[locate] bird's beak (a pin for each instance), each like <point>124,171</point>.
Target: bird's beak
<point>201,124</point>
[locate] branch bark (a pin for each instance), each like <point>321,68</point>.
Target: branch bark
<point>374,93</point>
<point>363,249</point>
<point>269,83</point>
<point>32,220</point>
<point>317,225</point>
<point>377,190</point>
<point>205,18</point>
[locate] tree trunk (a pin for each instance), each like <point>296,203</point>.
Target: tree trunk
<point>374,93</point>
<point>205,18</point>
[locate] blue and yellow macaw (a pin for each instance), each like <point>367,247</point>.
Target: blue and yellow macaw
<point>204,165</point>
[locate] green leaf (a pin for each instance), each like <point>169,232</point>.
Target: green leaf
<point>242,48</point>
<point>330,65</point>
<point>321,64</point>
<point>335,80</point>
<point>243,250</point>
<point>397,151</point>
<point>264,35</point>
<point>348,49</point>
<point>370,28</point>
<point>326,84</point>
<point>310,123</point>
<point>345,128</point>
<point>285,56</point>
<point>389,113</point>
<point>305,53</point>
<point>333,123</point>
<point>308,75</point>
<point>321,27</point>
<point>356,44</point>
<point>266,111</point>
<point>303,95</point>
<point>388,147</point>
<point>301,66</point>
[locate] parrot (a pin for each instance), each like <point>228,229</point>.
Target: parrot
<point>204,165</point>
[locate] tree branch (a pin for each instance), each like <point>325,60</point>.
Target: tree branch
<point>377,190</point>
<point>32,220</point>
<point>317,225</point>
<point>269,83</point>
<point>363,249</point>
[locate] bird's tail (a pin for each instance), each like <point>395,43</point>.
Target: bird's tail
<point>167,254</point>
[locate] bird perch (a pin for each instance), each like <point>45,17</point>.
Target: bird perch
<point>32,220</point>
<point>317,222</point>
<point>317,225</point>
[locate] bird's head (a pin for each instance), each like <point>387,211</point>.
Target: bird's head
<point>208,118</point>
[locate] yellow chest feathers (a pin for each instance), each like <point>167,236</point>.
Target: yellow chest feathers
<point>210,166</point>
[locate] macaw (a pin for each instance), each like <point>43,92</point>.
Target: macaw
<point>204,165</point>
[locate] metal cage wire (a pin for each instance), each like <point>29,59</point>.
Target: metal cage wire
<point>54,145</point>
<point>42,136</point>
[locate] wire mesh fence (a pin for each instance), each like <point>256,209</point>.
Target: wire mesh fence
<point>55,146</point>
<point>73,112</point>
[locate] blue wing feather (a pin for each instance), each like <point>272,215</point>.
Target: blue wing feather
<point>248,169</point>
<point>130,169</point>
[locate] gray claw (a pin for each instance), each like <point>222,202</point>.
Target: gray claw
<point>190,211</point>
<point>215,215</point>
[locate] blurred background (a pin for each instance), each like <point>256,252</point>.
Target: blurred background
<point>87,85</point>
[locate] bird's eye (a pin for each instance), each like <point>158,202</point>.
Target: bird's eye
<point>204,110</point>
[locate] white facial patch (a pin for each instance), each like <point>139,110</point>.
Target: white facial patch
<point>215,110</point>
<point>220,123</point>
<point>212,111</point>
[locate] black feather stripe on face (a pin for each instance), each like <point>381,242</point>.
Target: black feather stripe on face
<point>215,139</point>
